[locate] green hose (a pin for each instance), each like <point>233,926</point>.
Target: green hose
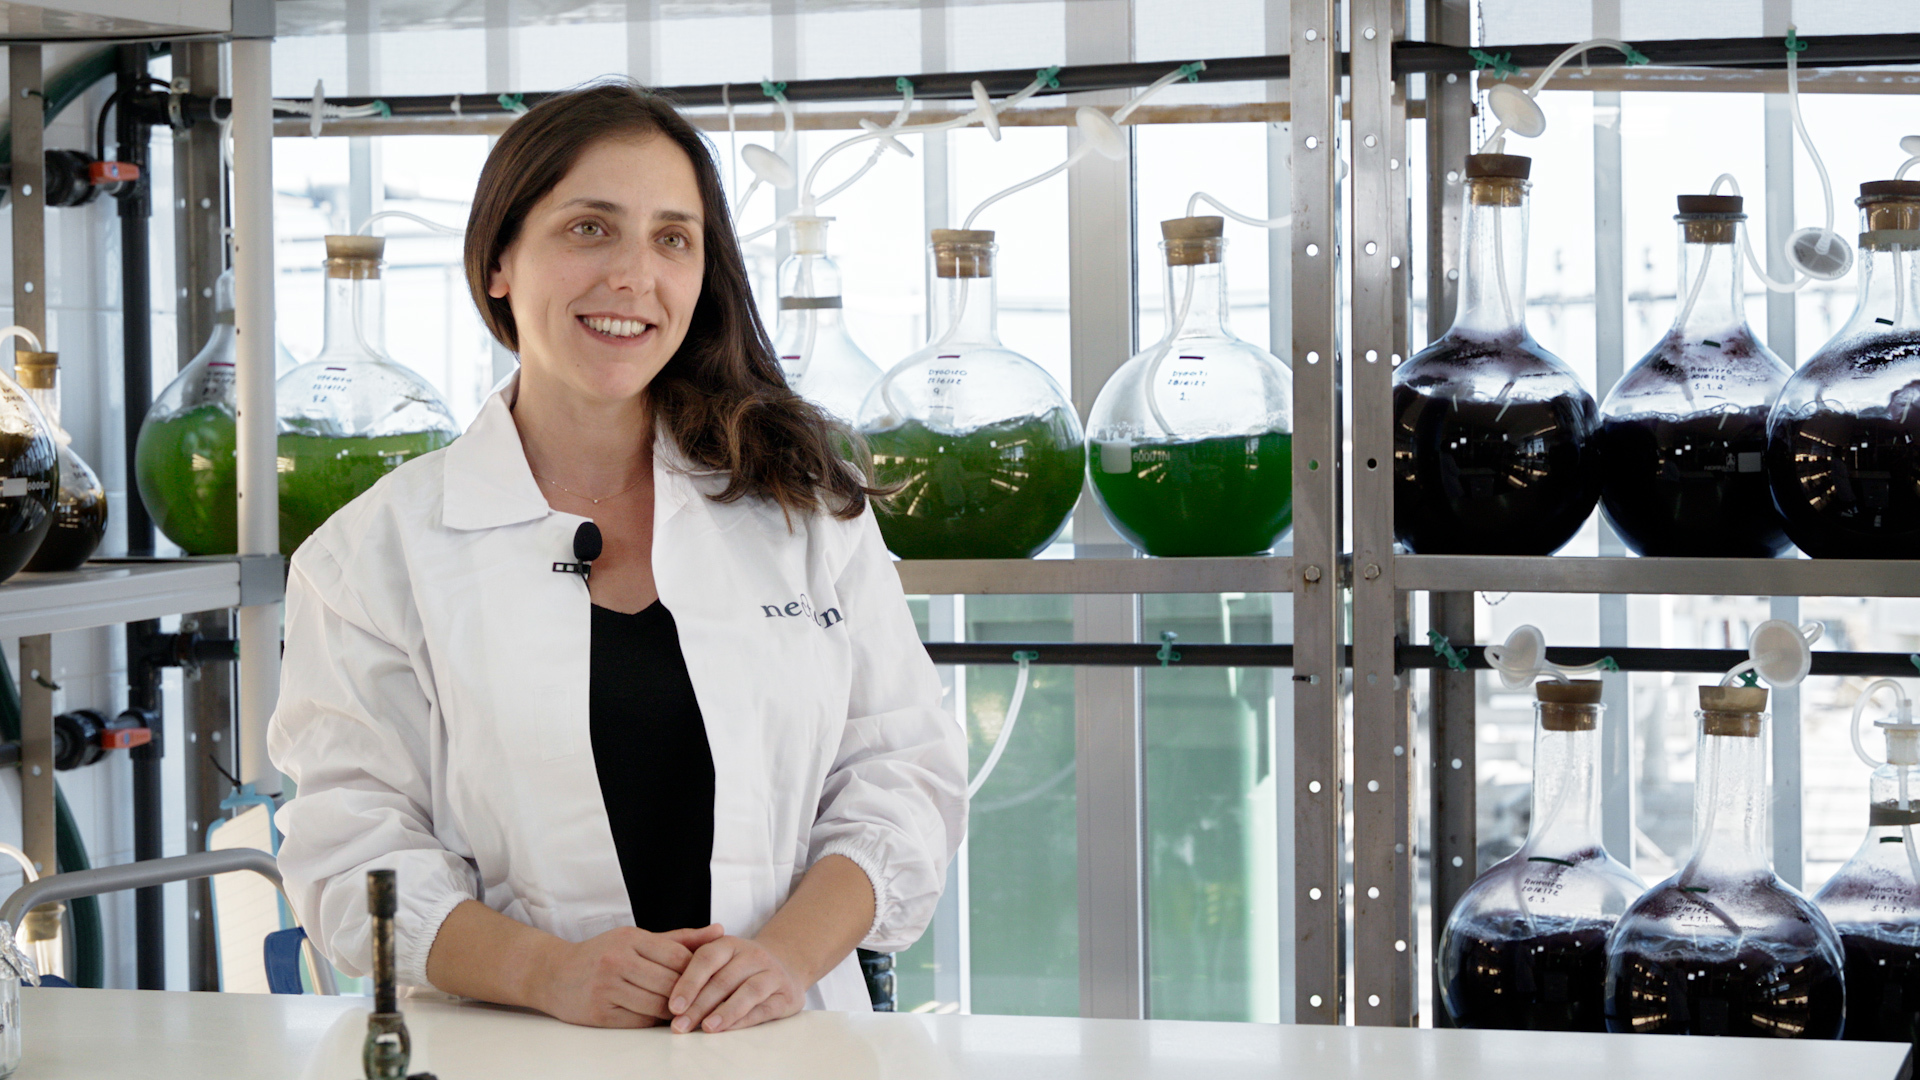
<point>70,853</point>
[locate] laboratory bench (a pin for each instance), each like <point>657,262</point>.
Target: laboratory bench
<point>87,1034</point>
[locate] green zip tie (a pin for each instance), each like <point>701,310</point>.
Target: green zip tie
<point>1794,44</point>
<point>1026,656</point>
<point>1914,659</point>
<point>1502,65</point>
<point>1048,77</point>
<point>1635,57</point>
<point>772,89</point>
<point>903,85</point>
<point>1167,653</point>
<point>1192,71</point>
<point>385,109</point>
<point>1749,678</point>
<point>512,103</point>
<point>1456,660</point>
<point>1608,663</point>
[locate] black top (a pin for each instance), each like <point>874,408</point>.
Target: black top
<point>656,770</point>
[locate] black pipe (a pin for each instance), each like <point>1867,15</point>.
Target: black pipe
<point>1409,57</point>
<point>131,132</point>
<point>1407,657</point>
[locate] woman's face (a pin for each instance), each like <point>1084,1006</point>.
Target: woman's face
<point>606,269</point>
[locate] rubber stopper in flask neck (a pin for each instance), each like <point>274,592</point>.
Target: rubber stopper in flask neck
<point>1733,711</point>
<point>1569,706</point>
<point>810,235</point>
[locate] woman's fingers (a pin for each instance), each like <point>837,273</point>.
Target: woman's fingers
<point>748,996</point>
<point>724,983</point>
<point>776,1007</point>
<point>693,937</point>
<point>708,961</point>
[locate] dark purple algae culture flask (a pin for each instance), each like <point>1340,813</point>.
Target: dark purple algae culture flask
<point>1841,441</point>
<point>1526,945</point>
<point>1493,435</point>
<point>1724,947</point>
<point>1683,436</point>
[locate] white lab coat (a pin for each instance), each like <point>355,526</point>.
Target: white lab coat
<point>433,709</point>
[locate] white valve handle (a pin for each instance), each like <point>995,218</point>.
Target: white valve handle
<point>1778,652</point>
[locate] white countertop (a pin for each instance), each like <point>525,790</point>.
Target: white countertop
<point>84,1034</point>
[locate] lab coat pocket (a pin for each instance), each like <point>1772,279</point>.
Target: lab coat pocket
<point>556,725</point>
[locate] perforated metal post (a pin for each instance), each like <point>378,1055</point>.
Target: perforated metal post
<point>1385,948</point>
<point>1318,773</point>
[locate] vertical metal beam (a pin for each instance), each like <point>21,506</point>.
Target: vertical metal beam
<point>1319,754</point>
<point>1789,838</point>
<point>199,211</point>
<point>952,938</point>
<point>1610,331</point>
<point>642,40</point>
<point>259,482</point>
<point>1280,339</point>
<point>1385,987</point>
<point>36,745</point>
<point>1453,789</point>
<point>1452,781</point>
<point>1449,141</point>
<point>1110,741</point>
<point>29,195</point>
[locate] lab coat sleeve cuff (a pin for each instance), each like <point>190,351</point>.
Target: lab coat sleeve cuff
<point>411,961</point>
<point>869,861</point>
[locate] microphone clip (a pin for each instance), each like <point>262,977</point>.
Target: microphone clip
<point>581,568</point>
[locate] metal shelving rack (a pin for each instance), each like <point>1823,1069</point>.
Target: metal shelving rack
<point>109,592</point>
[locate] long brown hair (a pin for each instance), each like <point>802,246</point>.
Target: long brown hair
<point>722,396</point>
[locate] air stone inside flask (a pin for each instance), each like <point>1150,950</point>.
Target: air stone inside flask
<point>1724,947</point>
<point>981,443</point>
<point>1525,947</point>
<point>1190,443</point>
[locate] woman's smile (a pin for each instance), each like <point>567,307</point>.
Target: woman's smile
<point>619,331</point>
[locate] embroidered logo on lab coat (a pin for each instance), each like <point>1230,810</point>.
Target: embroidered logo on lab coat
<point>803,609</point>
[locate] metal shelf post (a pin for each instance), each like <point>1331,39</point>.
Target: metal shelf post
<point>1319,754</point>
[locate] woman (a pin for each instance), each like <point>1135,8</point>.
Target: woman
<point>681,787</point>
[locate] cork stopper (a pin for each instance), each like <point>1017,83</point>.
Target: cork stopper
<point>1710,219</point>
<point>36,370</point>
<point>1192,241</point>
<point>1498,179</point>
<point>1569,706</point>
<point>1732,710</point>
<point>355,256</point>
<point>963,253</point>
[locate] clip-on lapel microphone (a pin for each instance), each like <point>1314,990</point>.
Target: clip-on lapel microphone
<point>586,548</point>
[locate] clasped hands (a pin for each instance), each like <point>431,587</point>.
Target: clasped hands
<point>691,978</point>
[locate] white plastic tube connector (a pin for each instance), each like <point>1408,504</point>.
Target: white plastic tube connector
<point>1903,752</point>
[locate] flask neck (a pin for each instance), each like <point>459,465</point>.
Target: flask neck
<point>965,311</point>
<point>1730,800</point>
<point>1889,287</point>
<point>1711,288</point>
<point>355,319</point>
<point>1197,301</point>
<point>47,400</point>
<point>1493,262</point>
<point>1566,791</point>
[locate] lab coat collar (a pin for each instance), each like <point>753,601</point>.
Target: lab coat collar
<point>489,484</point>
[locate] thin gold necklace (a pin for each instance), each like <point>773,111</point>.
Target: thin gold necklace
<point>589,498</point>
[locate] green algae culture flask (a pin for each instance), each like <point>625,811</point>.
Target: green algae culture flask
<point>982,444</point>
<point>1190,443</point>
<point>79,503</point>
<point>350,415</point>
<point>817,355</point>
<point>186,458</point>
